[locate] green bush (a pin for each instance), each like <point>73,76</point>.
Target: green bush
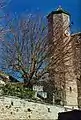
<point>17,90</point>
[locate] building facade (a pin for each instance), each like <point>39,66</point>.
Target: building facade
<point>65,59</point>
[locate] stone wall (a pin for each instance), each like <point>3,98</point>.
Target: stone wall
<point>15,108</point>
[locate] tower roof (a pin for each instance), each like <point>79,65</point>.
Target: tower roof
<point>58,11</point>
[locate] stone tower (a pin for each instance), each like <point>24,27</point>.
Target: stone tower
<point>62,70</point>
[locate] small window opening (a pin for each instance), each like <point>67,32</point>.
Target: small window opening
<point>70,89</point>
<point>49,110</point>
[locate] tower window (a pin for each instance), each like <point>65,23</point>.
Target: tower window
<point>70,89</point>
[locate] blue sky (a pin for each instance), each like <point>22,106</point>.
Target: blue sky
<point>46,6</point>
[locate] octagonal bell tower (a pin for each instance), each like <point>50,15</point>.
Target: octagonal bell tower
<point>62,71</point>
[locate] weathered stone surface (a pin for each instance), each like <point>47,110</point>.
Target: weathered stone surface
<point>22,109</point>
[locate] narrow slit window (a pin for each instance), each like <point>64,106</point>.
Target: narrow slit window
<point>70,89</point>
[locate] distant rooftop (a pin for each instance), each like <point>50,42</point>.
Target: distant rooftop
<point>58,11</point>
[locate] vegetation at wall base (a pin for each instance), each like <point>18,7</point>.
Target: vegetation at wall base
<point>17,90</point>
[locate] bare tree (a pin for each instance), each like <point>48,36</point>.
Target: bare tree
<point>25,48</point>
<point>3,31</point>
<point>3,19</point>
<point>28,50</point>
